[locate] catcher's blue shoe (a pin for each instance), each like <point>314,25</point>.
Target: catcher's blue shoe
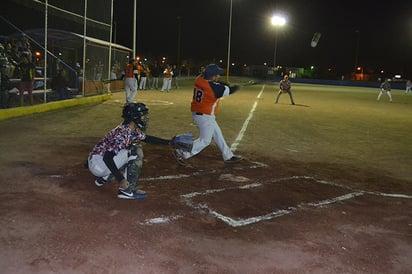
<point>131,194</point>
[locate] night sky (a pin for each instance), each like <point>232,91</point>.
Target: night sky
<point>380,31</point>
<point>373,34</point>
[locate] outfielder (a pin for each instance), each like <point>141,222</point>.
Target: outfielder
<point>408,87</point>
<point>205,102</point>
<point>284,86</point>
<point>385,88</point>
<point>120,149</point>
<point>131,77</point>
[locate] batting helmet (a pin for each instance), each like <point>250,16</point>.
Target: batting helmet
<point>137,113</point>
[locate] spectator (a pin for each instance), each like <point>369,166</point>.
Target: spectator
<point>4,78</point>
<point>79,73</point>
<point>26,69</point>
<point>61,84</point>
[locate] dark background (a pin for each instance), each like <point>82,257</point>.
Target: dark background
<point>373,34</point>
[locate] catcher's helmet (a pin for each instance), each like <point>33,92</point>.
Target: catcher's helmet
<point>137,113</point>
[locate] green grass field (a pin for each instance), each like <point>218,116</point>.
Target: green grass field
<point>328,124</point>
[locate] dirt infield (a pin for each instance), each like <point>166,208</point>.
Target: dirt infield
<point>267,214</point>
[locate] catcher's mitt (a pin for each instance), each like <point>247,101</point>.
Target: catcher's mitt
<point>183,142</point>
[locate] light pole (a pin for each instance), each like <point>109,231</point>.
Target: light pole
<point>228,46</point>
<point>277,21</point>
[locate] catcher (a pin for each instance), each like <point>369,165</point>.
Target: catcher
<point>284,86</point>
<point>120,150</point>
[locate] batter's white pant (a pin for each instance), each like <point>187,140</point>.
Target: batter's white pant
<point>98,168</point>
<point>387,92</point>
<point>167,84</point>
<point>130,86</point>
<point>408,90</point>
<point>208,129</point>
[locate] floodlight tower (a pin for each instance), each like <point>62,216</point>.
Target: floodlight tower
<point>277,21</point>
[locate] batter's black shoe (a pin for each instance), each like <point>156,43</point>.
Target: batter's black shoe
<point>233,160</point>
<point>177,153</point>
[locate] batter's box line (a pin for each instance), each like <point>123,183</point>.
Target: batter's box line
<point>199,173</point>
<point>278,213</point>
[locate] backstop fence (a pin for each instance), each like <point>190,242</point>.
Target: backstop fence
<point>75,36</point>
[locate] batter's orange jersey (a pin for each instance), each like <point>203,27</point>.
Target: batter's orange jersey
<point>130,71</point>
<point>206,96</point>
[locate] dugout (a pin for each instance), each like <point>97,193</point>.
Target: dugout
<point>74,35</point>
<point>66,51</point>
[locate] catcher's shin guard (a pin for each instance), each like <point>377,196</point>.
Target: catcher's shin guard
<point>134,165</point>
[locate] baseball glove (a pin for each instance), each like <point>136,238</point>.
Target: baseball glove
<point>183,142</point>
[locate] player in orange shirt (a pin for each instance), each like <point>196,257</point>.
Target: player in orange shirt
<point>205,103</point>
<point>167,79</point>
<point>130,81</point>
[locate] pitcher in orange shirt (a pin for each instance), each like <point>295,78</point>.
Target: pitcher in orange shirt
<point>205,103</point>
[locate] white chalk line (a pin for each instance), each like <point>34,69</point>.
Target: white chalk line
<point>278,213</point>
<point>148,102</point>
<point>242,131</point>
<point>198,173</point>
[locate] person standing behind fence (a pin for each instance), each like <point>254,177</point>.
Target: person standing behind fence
<point>385,88</point>
<point>130,76</point>
<point>26,68</point>
<point>284,86</point>
<point>167,79</point>
<point>61,84</point>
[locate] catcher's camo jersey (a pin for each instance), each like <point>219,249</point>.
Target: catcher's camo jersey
<point>206,96</point>
<point>119,138</point>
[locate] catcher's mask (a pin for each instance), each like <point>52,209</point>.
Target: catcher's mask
<point>137,113</point>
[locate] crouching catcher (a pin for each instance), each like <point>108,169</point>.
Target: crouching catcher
<point>119,155</point>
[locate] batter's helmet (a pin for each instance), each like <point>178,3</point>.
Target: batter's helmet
<point>137,113</point>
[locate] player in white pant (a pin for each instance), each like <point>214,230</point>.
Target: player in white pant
<point>205,103</point>
<point>208,129</point>
<point>385,88</point>
<point>130,81</point>
<point>408,88</point>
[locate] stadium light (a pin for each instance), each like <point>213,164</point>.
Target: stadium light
<point>277,21</point>
<point>229,38</point>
